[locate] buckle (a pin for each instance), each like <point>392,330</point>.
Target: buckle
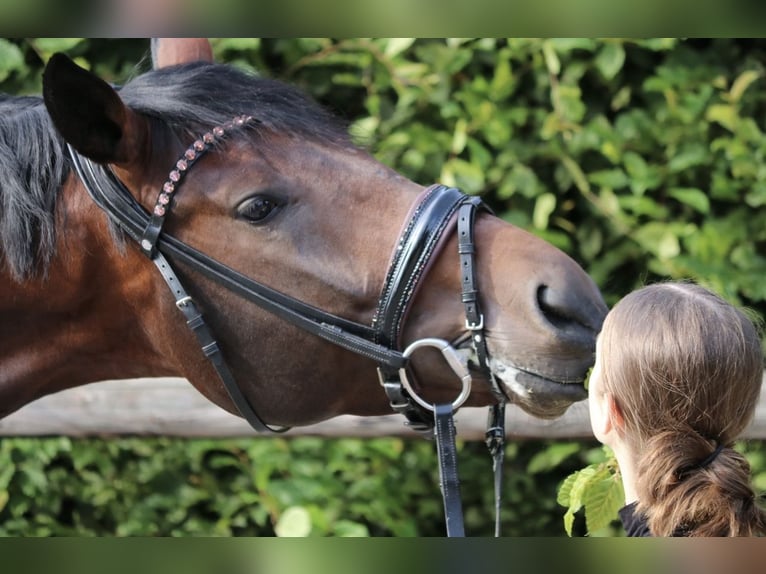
<point>474,326</point>
<point>183,301</point>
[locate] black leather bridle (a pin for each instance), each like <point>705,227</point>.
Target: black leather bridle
<point>439,210</point>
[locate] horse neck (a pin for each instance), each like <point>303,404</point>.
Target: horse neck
<point>78,322</point>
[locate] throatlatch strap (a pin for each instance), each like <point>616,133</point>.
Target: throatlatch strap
<point>209,346</point>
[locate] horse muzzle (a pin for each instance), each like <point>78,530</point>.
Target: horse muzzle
<point>536,394</point>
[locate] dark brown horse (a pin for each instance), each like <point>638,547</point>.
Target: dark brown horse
<point>287,201</point>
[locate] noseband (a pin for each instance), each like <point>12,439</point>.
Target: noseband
<point>439,210</point>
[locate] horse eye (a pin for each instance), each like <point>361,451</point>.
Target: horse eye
<point>259,208</point>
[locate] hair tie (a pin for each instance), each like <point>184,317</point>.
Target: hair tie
<point>704,463</point>
<point>711,457</point>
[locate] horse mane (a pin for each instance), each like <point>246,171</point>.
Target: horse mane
<point>189,99</point>
<point>32,168</point>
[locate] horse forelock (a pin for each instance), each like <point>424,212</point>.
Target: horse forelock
<point>194,97</point>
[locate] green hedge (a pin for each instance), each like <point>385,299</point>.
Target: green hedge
<point>643,159</point>
<point>348,487</point>
<point>267,486</point>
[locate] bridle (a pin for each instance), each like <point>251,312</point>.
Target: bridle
<point>440,208</point>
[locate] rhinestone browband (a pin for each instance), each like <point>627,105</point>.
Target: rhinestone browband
<point>196,150</point>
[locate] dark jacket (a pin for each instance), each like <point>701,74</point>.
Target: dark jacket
<point>634,524</point>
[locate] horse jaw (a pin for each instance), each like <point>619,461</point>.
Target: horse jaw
<point>537,395</point>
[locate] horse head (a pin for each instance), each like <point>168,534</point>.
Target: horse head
<point>287,200</point>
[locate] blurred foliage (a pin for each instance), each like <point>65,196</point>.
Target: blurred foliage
<point>265,486</point>
<point>287,486</point>
<point>641,158</point>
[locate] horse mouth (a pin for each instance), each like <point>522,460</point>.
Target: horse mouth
<point>538,395</point>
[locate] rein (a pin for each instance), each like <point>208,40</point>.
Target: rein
<point>440,209</point>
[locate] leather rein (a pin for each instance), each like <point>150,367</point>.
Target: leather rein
<point>440,209</point>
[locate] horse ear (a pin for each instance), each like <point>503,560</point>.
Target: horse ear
<point>172,51</point>
<point>89,113</point>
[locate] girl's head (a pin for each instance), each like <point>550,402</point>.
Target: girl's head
<point>681,370</point>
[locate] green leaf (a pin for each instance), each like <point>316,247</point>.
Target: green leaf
<point>741,83</point>
<point>579,178</point>
<point>571,494</point>
<point>294,522</point>
<point>724,114</point>
<point>7,471</point>
<point>459,136</point>
<point>544,206</point>
<point>564,495</point>
<point>658,239</point>
<point>571,105</point>
<point>11,59</point>
<point>46,47</point>
<point>642,175</point>
<point>464,175</point>
<point>609,178</point>
<point>692,197</point>
<point>503,81</point>
<point>349,529</point>
<point>597,489</point>
<point>569,517</point>
<point>552,456</point>
<point>396,46</point>
<point>602,501</point>
<point>580,485</point>
<point>690,156</point>
<point>622,98</point>
<point>551,59</point>
<point>610,59</point>
<point>568,44</point>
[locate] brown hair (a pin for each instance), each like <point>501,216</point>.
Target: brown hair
<point>686,368</point>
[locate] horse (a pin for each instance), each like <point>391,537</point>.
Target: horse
<point>269,186</point>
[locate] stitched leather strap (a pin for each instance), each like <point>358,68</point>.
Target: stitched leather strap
<point>209,346</point>
<point>470,291</point>
<point>444,431</point>
<point>414,250</point>
<point>495,435</point>
<point>495,441</point>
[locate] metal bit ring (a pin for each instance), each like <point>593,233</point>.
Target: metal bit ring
<point>458,365</point>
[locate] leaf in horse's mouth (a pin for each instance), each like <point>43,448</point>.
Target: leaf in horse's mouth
<point>586,380</point>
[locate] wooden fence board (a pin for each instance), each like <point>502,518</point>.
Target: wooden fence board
<point>172,407</point>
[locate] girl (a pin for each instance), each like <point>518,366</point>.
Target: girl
<point>677,377</point>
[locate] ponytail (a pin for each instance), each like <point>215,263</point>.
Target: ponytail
<point>691,486</point>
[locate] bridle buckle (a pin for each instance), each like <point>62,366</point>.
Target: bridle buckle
<point>183,302</point>
<point>473,326</point>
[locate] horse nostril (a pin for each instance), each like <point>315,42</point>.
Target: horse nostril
<point>562,309</point>
<point>551,309</point>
